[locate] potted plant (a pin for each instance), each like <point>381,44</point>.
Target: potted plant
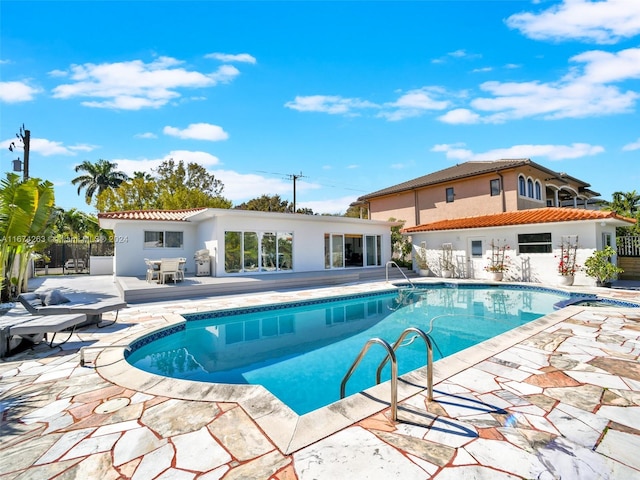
<point>498,261</point>
<point>599,266</point>
<point>567,266</point>
<point>446,260</point>
<point>421,261</point>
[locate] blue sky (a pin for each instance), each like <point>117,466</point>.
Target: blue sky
<point>353,96</point>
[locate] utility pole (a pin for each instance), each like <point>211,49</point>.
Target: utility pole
<point>25,137</point>
<point>295,177</point>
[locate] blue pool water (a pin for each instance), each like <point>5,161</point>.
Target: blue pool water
<point>301,352</point>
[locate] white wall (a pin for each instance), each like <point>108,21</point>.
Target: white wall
<point>308,236</point>
<point>208,229</point>
<point>101,265</point>
<point>129,245</point>
<point>535,267</point>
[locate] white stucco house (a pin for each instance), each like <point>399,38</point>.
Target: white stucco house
<point>533,238</point>
<point>246,242</point>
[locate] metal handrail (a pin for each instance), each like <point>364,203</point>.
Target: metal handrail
<point>386,268</point>
<point>394,372</point>
<point>397,344</point>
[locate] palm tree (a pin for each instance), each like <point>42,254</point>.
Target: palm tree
<point>99,177</point>
<point>147,177</point>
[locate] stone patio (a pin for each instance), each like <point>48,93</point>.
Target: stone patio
<point>559,400</point>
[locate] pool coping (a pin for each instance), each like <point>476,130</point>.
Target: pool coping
<point>287,430</point>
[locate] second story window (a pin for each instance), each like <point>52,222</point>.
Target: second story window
<point>538,191</point>
<point>530,188</point>
<point>522,189</point>
<point>495,187</point>
<point>450,195</point>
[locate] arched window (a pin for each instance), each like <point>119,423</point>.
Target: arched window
<point>538,191</point>
<point>530,188</point>
<point>521,186</point>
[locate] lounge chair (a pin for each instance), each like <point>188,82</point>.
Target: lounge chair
<point>51,304</point>
<point>35,328</point>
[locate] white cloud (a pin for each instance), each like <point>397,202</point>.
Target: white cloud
<point>585,91</point>
<point>226,57</point>
<point>460,116</point>
<point>482,70</point>
<point>146,135</point>
<point>129,166</point>
<point>134,85</point>
<point>240,187</point>
<point>604,22</point>
<point>410,104</point>
<point>607,67</point>
<point>550,152</point>
<point>332,104</point>
<point>198,131</point>
<point>334,206</point>
<point>632,146</point>
<point>415,103</point>
<point>46,148</point>
<point>58,73</point>
<point>454,151</point>
<point>83,147</point>
<point>15,92</point>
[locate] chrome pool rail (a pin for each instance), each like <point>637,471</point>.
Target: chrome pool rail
<point>394,372</point>
<point>391,355</point>
<point>397,344</point>
<point>392,263</point>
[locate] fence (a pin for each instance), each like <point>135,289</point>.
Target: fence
<point>628,246</point>
<point>58,253</point>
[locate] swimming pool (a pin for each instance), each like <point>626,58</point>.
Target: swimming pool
<point>300,352</point>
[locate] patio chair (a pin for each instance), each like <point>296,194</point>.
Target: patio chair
<point>169,267</point>
<point>181,266</point>
<point>152,270</point>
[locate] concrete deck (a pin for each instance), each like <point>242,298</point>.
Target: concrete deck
<point>557,398</point>
<point>137,289</point>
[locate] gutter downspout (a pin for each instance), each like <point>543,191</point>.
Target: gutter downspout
<point>416,213</point>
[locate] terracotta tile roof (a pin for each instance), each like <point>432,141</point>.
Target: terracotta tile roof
<point>173,215</point>
<point>521,217</point>
<point>465,170</point>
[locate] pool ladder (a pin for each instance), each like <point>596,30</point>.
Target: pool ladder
<point>392,263</point>
<point>391,355</point>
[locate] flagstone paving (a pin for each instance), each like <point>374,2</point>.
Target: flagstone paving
<point>563,403</point>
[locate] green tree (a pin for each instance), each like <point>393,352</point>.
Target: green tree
<point>356,211</point>
<point>26,214</point>
<point>400,245</point>
<point>626,204</point>
<point>135,194</point>
<point>192,186</point>
<point>97,178</point>
<point>174,187</point>
<point>267,203</point>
